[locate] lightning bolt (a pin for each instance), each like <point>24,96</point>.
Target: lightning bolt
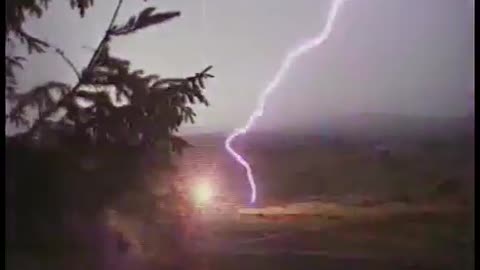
<point>285,66</point>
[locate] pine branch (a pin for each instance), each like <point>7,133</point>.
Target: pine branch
<point>68,61</point>
<point>103,42</point>
<point>33,43</point>
<point>106,36</point>
<point>178,144</point>
<point>39,97</point>
<point>144,19</point>
<point>12,63</point>
<point>82,5</point>
<point>155,106</point>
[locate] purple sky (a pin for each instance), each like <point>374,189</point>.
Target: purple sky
<point>392,56</point>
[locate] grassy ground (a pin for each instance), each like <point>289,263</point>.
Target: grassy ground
<point>415,239</point>
<point>416,211</point>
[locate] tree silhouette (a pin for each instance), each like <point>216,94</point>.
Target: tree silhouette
<point>69,126</point>
<point>16,13</point>
<point>156,107</point>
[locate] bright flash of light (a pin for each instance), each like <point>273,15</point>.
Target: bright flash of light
<point>287,62</point>
<point>202,193</point>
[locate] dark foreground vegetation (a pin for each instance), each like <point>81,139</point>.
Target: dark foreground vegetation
<point>63,175</point>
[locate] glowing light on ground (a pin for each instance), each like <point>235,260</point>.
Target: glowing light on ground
<point>286,64</point>
<point>202,193</point>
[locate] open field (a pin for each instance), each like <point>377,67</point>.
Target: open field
<point>328,236</point>
<point>345,168</point>
<point>325,202</point>
<point>410,207</point>
<point>382,237</point>
<point>336,237</point>
<point>335,204</point>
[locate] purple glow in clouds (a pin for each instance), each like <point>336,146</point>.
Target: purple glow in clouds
<point>287,62</point>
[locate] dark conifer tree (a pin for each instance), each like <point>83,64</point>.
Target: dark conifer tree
<point>86,159</point>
